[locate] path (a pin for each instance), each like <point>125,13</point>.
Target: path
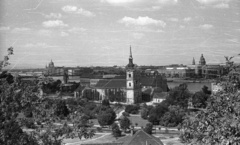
<point>77,143</point>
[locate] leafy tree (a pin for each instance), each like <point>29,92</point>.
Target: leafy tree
<point>116,132</point>
<point>219,123</point>
<point>15,97</point>
<point>106,117</point>
<point>125,123</point>
<point>105,102</point>
<point>148,128</point>
<point>61,109</point>
<point>132,109</point>
<point>206,91</point>
<point>179,96</point>
<point>144,113</point>
<point>199,99</point>
<point>173,116</point>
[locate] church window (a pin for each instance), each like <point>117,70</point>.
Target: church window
<point>129,84</point>
<point>129,75</point>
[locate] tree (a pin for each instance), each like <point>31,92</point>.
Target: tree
<point>15,97</point>
<point>148,128</point>
<point>179,96</point>
<point>106,117</point>
<point>144,113</point>
<point>61,109</point>
<point>125,123</point>
<point>199,99</point>
<point>105,102</point>
<point>116,132</point>
<point>173,116</point>
<point>219,123</point>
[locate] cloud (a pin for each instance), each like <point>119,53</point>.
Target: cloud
<point>207,2</point>
<point>44,32</point>
<point>4,28</point>
<point>206,26</point>
<point>141,21</point>
<point>187,19</point>
<point>53,15</point>
<point>118,1</point>
<point>64,34</point>
<point>54,23</point>
<point>138,35</point>
<point>75,10</point>
<point>221,6</point>
<point>20,30</point>
<point>76,30</point>
<point>167,1</point>
<point>173,19</point>
<point>39,45</point>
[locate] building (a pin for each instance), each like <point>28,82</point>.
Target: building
<point>139,138</point>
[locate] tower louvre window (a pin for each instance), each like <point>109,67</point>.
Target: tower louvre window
<point>130,84</point>
<point>129,75</point>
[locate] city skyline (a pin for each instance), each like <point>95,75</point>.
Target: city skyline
<point>100,32</point>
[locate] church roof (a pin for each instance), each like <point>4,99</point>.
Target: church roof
<point>161,95</point>
<point>111,84</point>
<point>140,138</point>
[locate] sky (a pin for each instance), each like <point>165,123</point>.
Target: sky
<point>100,32</point>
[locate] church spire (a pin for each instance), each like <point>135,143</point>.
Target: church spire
<point>193,62</point>
<point>130,52</point>
<point>130,64</point>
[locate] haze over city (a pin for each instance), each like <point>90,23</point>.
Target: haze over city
<point>100,32</point>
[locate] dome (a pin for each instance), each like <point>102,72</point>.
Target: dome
<point>202,60</point>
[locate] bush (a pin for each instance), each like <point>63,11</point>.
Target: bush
<point>148,128</point>
<point>99,129</point>
<point>125,114</point>
<point>132,109</point>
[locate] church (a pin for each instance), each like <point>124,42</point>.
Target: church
<point>130,86</point>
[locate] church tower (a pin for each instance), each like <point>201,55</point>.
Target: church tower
<point>132,86</point>
<point>193,62</point>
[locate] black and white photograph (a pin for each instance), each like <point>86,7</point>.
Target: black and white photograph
<point>119,72</point>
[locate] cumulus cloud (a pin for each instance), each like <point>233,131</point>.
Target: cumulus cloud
<point>206,26</point>
<point>187,19</point>
<point>118,1</point>
<point>138,35</point>
<point>173,19</point>
<point>76,30</point>
<point>44,32</point>
<point>54,23</point>
<point>21,30</point>
<point>64,34</point>
<point>141,21</point>
<point>76,10</point>
<point>167,1</point>
<point>4,28</point>
<point>221,6</point>
<point>53,15</point>
<point>212,1</point>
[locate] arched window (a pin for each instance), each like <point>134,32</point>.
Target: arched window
<point>129,75</point>
<point>130,84</point>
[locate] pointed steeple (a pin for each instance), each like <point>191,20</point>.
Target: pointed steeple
<point>193,62</point>
<point>130,63</point>
<point>130,52</point>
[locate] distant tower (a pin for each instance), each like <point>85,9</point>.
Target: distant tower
<point>193,61</point>
<point>130,80</point>
<point>202,60</point>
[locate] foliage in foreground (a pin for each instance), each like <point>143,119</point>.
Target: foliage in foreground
<point>17,98</point>
<point>219,123</point>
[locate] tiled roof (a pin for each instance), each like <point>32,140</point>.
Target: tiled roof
<point>140,138</point>
<point>161,95</point>
<point>147,81</point>
<point>113,83</point>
